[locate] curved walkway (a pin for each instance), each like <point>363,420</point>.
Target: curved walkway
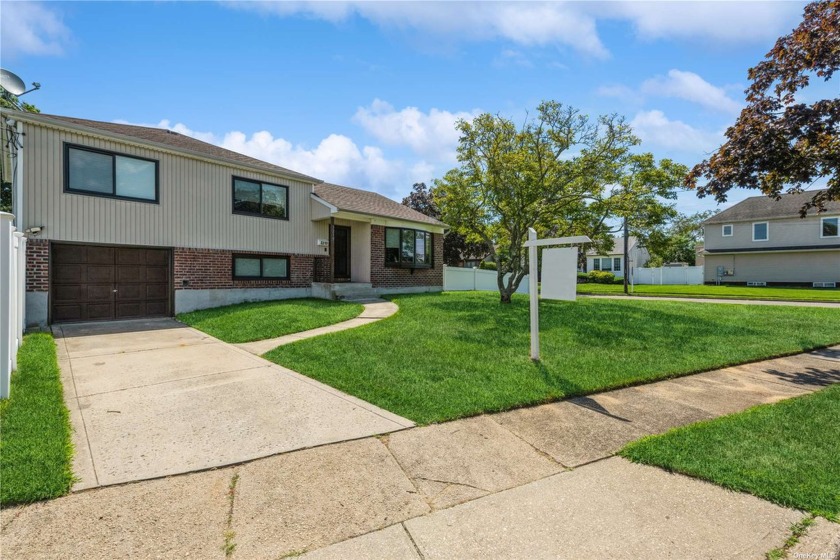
<point>718,300</point>
<point>375,310</point>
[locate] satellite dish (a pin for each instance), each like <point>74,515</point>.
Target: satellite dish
<point>11,82</point>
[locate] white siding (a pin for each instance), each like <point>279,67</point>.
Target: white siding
<point>787,232</point>
<point>195,207</point>
<point>816,266</point>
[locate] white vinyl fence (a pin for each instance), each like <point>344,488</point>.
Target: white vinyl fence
<point>456,279</point>
<point>684,275</point>
<point>12,293</point>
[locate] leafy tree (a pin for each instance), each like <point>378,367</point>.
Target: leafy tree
<point>543,175</point>
<point>678,240</point>
<point>456,249</point>
<point>778,140</point>
<point>9,101</point>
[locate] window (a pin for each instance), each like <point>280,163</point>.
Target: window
<point>101,173</point>
<point>408,248</point>
<point>596,264</point>
<point>254,267</point>
<point>256,198</point>
<point>761,231</point>
<point>727,230</point>
<point>606,264</point>
<point>830,227</point>
<point>617,264</point>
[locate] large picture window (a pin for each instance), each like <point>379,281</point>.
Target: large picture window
<point>408,248</point>
<point>257,198</point>
<point>256,267</point>
<point>109,174</point>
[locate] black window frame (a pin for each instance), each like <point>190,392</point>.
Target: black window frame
<point>113,195</point>
<point>401,264</point>
<point>260,257</point>
<point>261,184</point>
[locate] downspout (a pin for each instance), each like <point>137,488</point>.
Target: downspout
<point>16,162</point>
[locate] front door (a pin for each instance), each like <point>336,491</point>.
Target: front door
<point>341,253</point>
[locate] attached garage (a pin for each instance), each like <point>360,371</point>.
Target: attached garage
<point>101,283</point>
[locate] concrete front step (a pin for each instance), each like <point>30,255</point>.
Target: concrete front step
<point>344,290</point>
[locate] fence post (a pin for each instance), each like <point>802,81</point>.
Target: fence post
<point>21,286</point>
<point>6,299</point>
<point>475,280</point>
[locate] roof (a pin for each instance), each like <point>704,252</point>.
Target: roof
<point>764,207</point>
<point>366,202</point>
<point>170,139</point>
<point>617,248</point>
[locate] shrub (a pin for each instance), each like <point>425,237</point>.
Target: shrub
<point>487,265</point>
<point>601,277</point>
<point>618,281</point>
<point>582,278</point>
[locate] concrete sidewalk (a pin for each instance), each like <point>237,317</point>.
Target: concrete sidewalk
<point>152,398</point>
<point>539,482</point>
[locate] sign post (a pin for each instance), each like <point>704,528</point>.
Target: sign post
<point>533,245</point>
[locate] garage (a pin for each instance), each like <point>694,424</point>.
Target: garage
<point>102,283</point>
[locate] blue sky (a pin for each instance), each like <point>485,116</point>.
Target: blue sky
<point>366,94</point>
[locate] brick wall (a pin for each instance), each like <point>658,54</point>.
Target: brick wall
<point>322,269</point>
<point>206,269</point>
<point>383,277</point>
<point>37,265</point>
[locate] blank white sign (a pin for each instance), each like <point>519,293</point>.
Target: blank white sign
<point>559,274</point>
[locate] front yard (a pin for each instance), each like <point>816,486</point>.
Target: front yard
<point>35,445</point>
<point>450,355</point>
<point>788,452</point>
<point>788,293</point>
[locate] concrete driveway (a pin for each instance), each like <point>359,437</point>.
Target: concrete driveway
<point>152,398</point>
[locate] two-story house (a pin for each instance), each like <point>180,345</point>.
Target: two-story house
<point>128,221</point>
<point>763,240</point>
<point>612,260</point>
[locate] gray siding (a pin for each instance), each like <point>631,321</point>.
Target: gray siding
<point>794,267</point>
<point>195,208</point>
<point>788,232</point>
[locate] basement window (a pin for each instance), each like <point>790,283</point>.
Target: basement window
<point>109,174</point>
<point>257,267</point>
<point>408,248</point>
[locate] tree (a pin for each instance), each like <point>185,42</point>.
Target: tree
<point>9,101</point>
<point>677,241</point>
<point>776,140</point>
<point>456,249</point>
<point>541,175</point>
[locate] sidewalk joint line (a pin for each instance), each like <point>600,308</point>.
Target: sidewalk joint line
<point>79,408</point>
<point>384,441</point>
<point>413,542</point>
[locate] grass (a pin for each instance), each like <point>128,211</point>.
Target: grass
<point>456,354</point>
<point>35,445</point>
<point>786,452</point>
<point>246,322</point>
<point>790,293</point>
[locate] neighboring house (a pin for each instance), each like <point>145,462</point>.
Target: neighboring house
<point>765,240</point>
<point>128,221</point>
<point>613,260</point>
<point>699,254</point>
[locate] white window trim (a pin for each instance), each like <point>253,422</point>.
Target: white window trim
<point>723,230</point>
<point>753,232</point>
<point>821,227</point>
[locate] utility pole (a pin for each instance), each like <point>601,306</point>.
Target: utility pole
<point>626,256</point>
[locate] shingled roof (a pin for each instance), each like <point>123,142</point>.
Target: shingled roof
<point>764,208</point>
<point>176,141</point>
<point>370,203</point>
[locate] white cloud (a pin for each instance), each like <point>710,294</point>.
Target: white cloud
<point>431,134</point>
<point>654,128</point>
<point>691,87</point>
<point>31,28</point>
<point>621,92</point>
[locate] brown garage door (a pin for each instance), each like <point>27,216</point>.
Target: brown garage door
<point>96,283</point>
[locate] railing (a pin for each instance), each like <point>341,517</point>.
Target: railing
<point>12,298</point>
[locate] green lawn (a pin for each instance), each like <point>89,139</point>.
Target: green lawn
<point>728,292</point>
<point>788,452</point>
<point>35,445</point>
<point>445,356</point>
<point>246,322</point>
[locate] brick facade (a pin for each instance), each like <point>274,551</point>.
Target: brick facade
<point>385,277</point>
<point>205,269</point>
<point>322,269</point>
<point>37,265</point>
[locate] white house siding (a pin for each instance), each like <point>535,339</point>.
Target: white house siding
<point>194,210</point>
<point>778,267</point>
<point>787,232</point>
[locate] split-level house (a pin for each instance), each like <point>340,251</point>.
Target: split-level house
<point>762,240</point>
<point>612,260</point>
<point>129,221</point>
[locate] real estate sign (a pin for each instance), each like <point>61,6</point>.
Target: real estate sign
<point>559,274</point>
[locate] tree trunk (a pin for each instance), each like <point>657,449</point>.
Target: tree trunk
<point>505,297</point>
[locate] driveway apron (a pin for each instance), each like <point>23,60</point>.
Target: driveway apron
<point>152,398</point>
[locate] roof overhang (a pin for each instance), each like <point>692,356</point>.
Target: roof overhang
<point>139,142</point>
<point>323,210</point>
